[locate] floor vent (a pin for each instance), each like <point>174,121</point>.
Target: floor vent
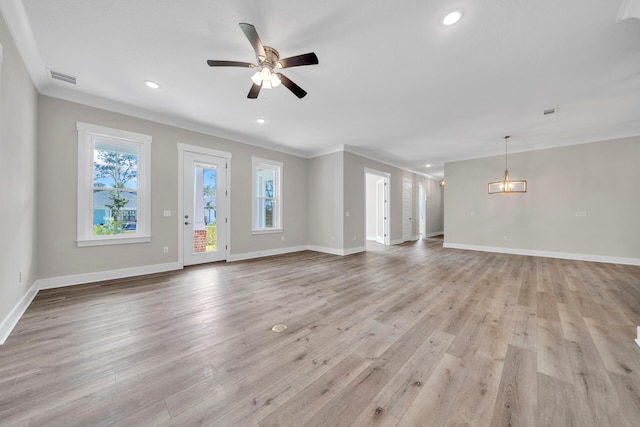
<point>62,77</point>
<point>279,328</point>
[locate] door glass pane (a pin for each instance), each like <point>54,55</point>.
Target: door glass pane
<point>205,209</point>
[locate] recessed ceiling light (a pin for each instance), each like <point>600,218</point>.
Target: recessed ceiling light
<point>452,18</point>
<point>428,165</point>
<point>261,121</point>
<point>152,85</point>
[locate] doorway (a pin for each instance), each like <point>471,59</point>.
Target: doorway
<point>422,210</point>
<point>407,209</point>
<point>204,205</point>
<point>377,206</point>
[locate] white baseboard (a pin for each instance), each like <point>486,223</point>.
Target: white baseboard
<point>638,339</point>
<point>14,316</point>
<point>545,254</point>
<point>356,250</point>
<point>267,252</point>
<point>437,233</point>
<point>334,251</point>
<point>77,279</point>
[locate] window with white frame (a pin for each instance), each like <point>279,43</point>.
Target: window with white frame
<point>267,196</point>
<point>114,203</point>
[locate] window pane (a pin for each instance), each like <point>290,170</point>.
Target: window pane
<point>265,179</point>
<point>205,233</point>
<point>115,165</point>
<point>114,212</point>
<point>264,214</point>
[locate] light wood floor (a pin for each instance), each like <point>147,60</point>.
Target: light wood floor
<point>409,335</point>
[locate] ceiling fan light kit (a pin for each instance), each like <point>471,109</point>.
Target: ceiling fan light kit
<point>268,61</point>
<point>507,186</point>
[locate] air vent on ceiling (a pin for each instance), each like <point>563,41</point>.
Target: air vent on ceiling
<point>550,111</point>
<point>63,77</point>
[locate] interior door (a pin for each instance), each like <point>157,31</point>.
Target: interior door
<point>407,209</point>
<point>381,201</point>
<point>205,198</point>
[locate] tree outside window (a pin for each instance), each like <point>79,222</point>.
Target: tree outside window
<point>115,173</point>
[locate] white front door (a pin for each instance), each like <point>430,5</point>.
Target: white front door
<point>205,198</point>
<point>407,209</point>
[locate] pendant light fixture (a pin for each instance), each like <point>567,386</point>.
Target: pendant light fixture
<point>507,186</point>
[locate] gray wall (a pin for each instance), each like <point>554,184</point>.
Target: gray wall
<point>18,206</point>
<point>325,198</point>
<point>354,199</point>
<point>599,178</point>
<point>57,183</point>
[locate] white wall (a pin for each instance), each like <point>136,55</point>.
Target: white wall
<point>599,178</point>
<point>18,101</point>
<point>57,150</point>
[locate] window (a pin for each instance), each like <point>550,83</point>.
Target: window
<point>267,196</point>
<point>113,186</point>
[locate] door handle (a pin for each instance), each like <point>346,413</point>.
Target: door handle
<point>186,223</point>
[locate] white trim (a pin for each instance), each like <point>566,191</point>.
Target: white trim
<point>638,339</point>
<point>14,315</point>
<point>99,276</point>
<point>326,151</point>
<point>354,150</point>
<point>436,233</point>
<point>87,134</point>
<point>545,254</point>
<point>629,9</point>
<point>265,253</point>
<point>267,230</point>
<point>203,150</point>
<point>116,240</point>
<point>387,206</point>
<point>278,168</point>
<point>334,251</point>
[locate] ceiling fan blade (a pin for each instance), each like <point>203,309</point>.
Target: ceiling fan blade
<point>254,91</point>
<point>252,35</point>
<point>215,63</point>
<point>297,90</point>
<point>296,61</point>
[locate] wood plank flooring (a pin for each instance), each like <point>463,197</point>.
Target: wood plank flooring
<point>410,335</point>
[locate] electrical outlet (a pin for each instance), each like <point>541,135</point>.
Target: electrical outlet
<point>505,238</point>
<point>165,250</point>
<point>282,238</point>
<point>167,213</point>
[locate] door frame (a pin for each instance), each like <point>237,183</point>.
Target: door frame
<point>407,220</point>
<point>422,210</point>
<point>387,211</point>
<point>182,148</point>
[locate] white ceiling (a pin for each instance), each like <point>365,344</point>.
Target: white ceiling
<point>393,83</point>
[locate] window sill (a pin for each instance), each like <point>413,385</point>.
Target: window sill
<point>113,241</point>
<point>267,230</point>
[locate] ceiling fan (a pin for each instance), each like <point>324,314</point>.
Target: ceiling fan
<point>268,62</point>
